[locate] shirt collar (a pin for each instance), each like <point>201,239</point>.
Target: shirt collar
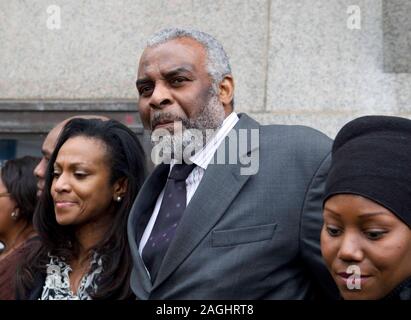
<point>203,157</point>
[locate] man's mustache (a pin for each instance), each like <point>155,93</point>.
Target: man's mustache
<point>164,117</point>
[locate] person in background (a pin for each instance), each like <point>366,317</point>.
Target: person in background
<point>48,146</point>
<point>17,203</point>
<point>366,237</point>
<point>93,176</point>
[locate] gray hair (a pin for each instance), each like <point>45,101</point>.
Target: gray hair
<point>218,65</point>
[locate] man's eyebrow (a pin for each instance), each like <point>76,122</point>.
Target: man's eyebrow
<point>168,74</point>
<point>178,70</point>
<point>142,81</point>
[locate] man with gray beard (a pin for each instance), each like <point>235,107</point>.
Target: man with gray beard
<point>233,211</point>
<point>186,136</point>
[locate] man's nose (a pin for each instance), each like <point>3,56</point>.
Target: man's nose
<point>351,249</point>
<point>40,169</point>
<point>161,96</point>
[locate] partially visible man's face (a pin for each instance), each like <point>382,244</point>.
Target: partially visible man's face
<point>174,85</point>
<point>47,149</point>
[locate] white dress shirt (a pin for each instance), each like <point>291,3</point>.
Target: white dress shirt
<point>202,159</point>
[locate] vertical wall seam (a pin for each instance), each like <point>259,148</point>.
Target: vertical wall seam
<point>267,52</point>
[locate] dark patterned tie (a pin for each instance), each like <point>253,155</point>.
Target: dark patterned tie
<point>171,210</point>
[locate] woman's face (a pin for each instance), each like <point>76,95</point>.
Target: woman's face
<point>81,187</point>
<point>366,247</point>
<point>7,206</point>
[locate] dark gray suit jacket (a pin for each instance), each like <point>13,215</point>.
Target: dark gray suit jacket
<point>244,237</point>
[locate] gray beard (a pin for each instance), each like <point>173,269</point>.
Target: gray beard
<point>195,133</point>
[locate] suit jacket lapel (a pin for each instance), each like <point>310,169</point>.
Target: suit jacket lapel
<point>139,216</point>
<point>220,185</point>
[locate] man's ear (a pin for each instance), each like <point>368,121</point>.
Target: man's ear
<point>226,92</point>
<point>120,187</point>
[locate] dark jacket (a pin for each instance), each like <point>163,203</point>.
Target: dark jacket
<point>244,236</point>
<point>401,292</point>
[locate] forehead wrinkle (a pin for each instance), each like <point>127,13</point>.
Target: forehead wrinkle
<point>165,71</point>
<point>180,50</point>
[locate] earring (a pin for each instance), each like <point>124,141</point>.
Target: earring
<point>118,199</point>
<point>14,215</point>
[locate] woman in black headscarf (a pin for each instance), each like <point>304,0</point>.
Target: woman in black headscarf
<point>366,237</point>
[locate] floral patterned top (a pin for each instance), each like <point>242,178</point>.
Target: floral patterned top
<point>57,284</point>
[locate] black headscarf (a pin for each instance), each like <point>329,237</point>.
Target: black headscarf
<point>371,157</point>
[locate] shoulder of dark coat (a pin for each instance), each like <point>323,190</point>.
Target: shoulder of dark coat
<point>295,137</point>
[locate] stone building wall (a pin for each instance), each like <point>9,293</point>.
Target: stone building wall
<point>313,62</point>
